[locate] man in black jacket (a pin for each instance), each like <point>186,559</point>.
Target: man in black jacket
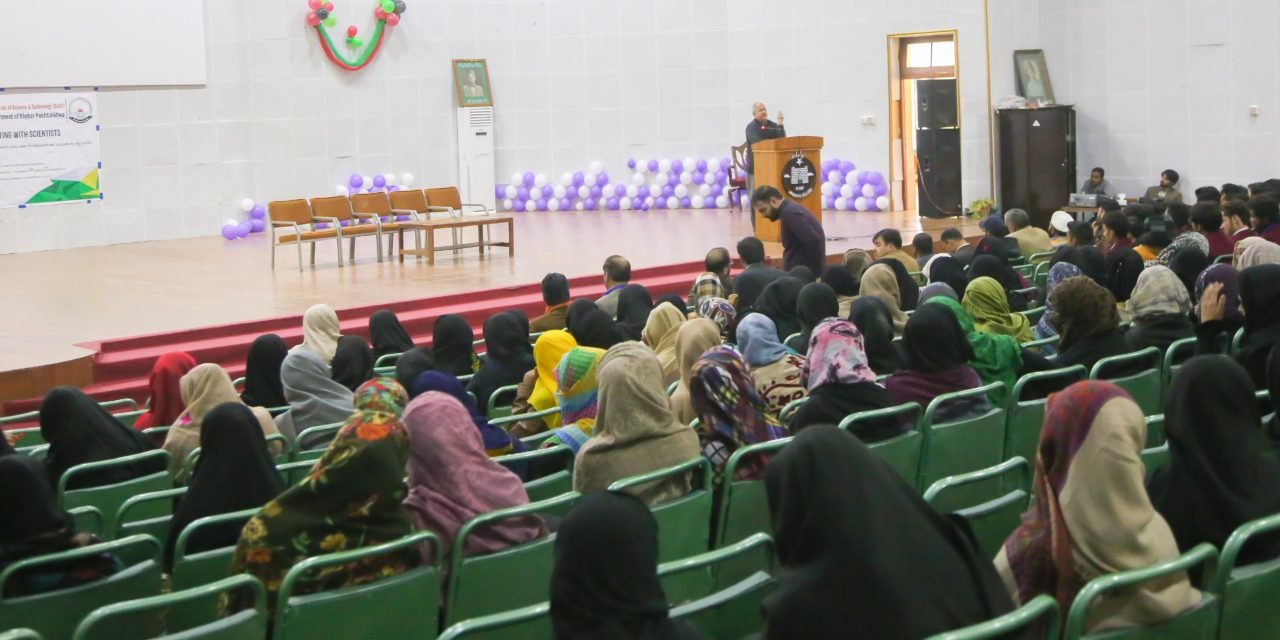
<point>756,275</point>
<point>760,128</point>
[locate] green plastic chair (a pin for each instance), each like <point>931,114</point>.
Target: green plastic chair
<point>794,335</point>
<point>1236,340</point>
<point>706,573</point>
<point>1198,622</point>
<point>129,418</point>
<point>496,410</point>
<point>312,442</point>
<point>1146,386</point>
<point>109,498</point>
<point>784,416</point>
<point>962,446</point>
<point>1155,457</point>
<point>1037,258</point>
<point>1155,430</point>
<point>147,514</point>
<point>387,360</point>
<point>1043,342</point>
<point>27,438</point>
<point>671,388</point>
<point>512,419</point>
<point>1025,270</point>
<point>684,524</point>
<point>293,472</point>
<point>128,404</point>
<point>1249,593</point>
<point>55,614</point>
<point>535,441</point>
<point>88,520</point>
<point>903,452</point>
<point>1034,315</point>
<point>991,500</point>
<point>151,617</point>
<point>527,623</point>
<point>551,485</point>
<point>1040,277</point>
<point>744,510</point>
<point>398,606</point>
<point>731,613</point>
<point>1175,355</point>
<point>1041,610</point>
<point>194,569</point>
<point>156,434</point>
<point>19,634</point>
<point>238,383</point>
<point>495,582</point>
<point>1026,417</point>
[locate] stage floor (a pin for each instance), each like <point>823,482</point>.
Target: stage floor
<point>55,300</point>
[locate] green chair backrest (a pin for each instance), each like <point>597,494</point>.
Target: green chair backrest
<point>512,419</point>
<point>55,614</point>
<point>1155,457</point>
<point>684,524</point>
<point>312,442</point>
<point>386,360</point>
<point>109,498</point>
<point>1201,621</point>
<point>1026,417</point>
<point>28,437</point>
<point>527,623</point>
<point>1175,355</point>
<point>784,416</point>
<point>1036,344</point>
<point>919,276</point>
<point>500,402</point>
<point>1236,340</point>
<point>151,617</point>
<point>1025,270</point>
<point>293,472</point>
<point>706,573</point>
<point>1034,315</point>
<point>513,577</point>
<point>148,514</point>
<point>1249,593</point>
<point>20,634</point>
<point>1155,430</point>
<point>1146,386</point>
<point>731,613</point>
<point>744,511</point>
<point>87,519</point>
<point>902,452</point>
<point>555,483</point>
<point>128,404</point>
<point>193,569</point>
<point>991,500</point>
<point>953,448</point>
<point>156,434</point>
<point>1041,610</point>
<point>128,418</point>
<point>398,606</point>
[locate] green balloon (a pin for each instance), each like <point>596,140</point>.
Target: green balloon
<point>355,42</point>
<point>330,21</point>
<point>388,6</point>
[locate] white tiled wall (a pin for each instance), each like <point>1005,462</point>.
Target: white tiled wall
<point>574,81</point>
<point>1166,84</point>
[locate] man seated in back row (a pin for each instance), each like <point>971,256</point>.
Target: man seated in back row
<point>889,245</point>
<point>756,273</point>
<point>953,242</point>
<point>1031,240</point>
<point>617,274</point>
<point>555,295</point>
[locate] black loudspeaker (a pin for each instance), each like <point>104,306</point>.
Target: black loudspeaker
<point>938,152</point>
<point>936,104</point>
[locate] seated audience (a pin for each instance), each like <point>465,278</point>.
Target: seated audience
<point>756,273</point>
<point>1264,216</point>
<point>953,242</point>
<point>1255,251</point>
<point>676,301</point>
<point>841,383</point>
<point>452,345</point>
<point>875,322</point>
<point>718,262</point>
<point>1080,235</point>
<point>776,371</point>
<point>1188,265</point>
<point>996,357</point>
<point>537,391</point>
<point>1115,233</point>
<point>413,363</point>
<point>995,268</point>
<point>320,332</point>
<point>1260,310</point>
<point>693,339</point>
<point>908,290</point>
<point>832,501</point>
<point>923,245</point>
<point>164,397</point>
<point>779,302</point>
<point>1235,192</point>
<point>1180,216</point>
<point>496,441</point>
<point>1206,219</point>
<point>79,430</point>
<point>1229,278</point>
<point>1097,183</point>
<point>387,334</point>
<point>1031,239</point>
<point>1186,238</point>
<point>634,306</point>
<point>949,271</point>
<point>1044,329</point>
<point>577,394</point>
<point>1087,320</point>
<point>555,299</point>
<point>508,356</point>
<point>937,362</point>
<point>880,282</point>
<point>888,244</point>
<point>721,312</point>
<point>1094,518</point>
<point>660,335</point>
<point>803,274</point>
<point>203,389</point>
<point>1236,220</point>
<point>262,387</point>
<point>855,261</point>
<point>1156,237</point>
<point>708,285</point>
<point>617,274</point>
<point>998,238</point>
<point>1121,275</point>
<point>1165,193</point>
<point>844,285</point>
<point>635,431</point>
<point>1160,309</point>
<point>817,302</point>
<point>315,399</point>
<point>986,301</point>
<point>1208,193</point>
<point>591,326</point>
<point>731,413</point>
<point>352,362</point>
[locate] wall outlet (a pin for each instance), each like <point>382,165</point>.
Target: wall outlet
<point>868,120</point>
<point>1254,110</point>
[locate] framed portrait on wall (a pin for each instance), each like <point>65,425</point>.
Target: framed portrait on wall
<point>471,83</point>
<point>1033,76</point>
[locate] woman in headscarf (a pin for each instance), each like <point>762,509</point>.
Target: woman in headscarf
<point>827,490</point>
<point>987,303</point>
<point>1188,264</point>
<point>537,391</point>
<point>935,289</point>
<point>262,387</point>
<point>1093,264</point>
<point>938,354</point>
<point>675,301</point>
<point>605,582</point>
<point>996,358</point>
<point>856,261</point>
<point>1185,241</point>
<point>1094,518</point>
<point>452,480</point>
<point>1160,309</point>
<point>1228,278</point>
<point>165,399</point>
<point>497,442</point>
<point>635,431</point>
<point>1260,308</point>
<point>635,305</point>
<point>1087,320</point>
<point>731,412</point>
<point>944,268</point>
<point>207,386</point>
<point>803,274</point>
<point>508,356</point>
<point>592,327</point>
<point>352,362</point>
<point>908,290</point>
<point>452,345</point>
<point>413,363</point>
<point>846,288</point>
<point>235,472</point>
<point>78,430</point>
<point>879,282</point>
<point>577,311</point>
<point>320,332</point>
<point>840,383</point>
<point>577,393</point>
<point>694,339</point>
<point>775,370</point>
<point>778,301</point>
<point>989,266</point>
<point>1122,271</point>
<point>32,525</point>
<point>1257,251</point>
<point>660,335</point>
<point>387,334</point>
<point>350,500</point>
<point>1222,471</point>
<point>314,398</point>
<point>874,321</point>
<point>817,302</point>
<point>721,312</point>
<point>1044,328</point>
<point>708,285</point>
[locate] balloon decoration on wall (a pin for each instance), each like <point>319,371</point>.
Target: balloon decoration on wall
<point>844,188</point>
<point>320,17</point>
<point>255,222</point>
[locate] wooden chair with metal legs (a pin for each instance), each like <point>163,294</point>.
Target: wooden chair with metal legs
<point>737,175</point>
<point>412,203</point>
<point>377,207</point>
<point>295,216</point>
<point>448,200</point>
<point>335,210</point>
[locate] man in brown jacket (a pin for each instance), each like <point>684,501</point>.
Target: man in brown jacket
<point>555,295</point>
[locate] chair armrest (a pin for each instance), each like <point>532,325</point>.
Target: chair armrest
<point>362,214</point>
<point>406,212</point>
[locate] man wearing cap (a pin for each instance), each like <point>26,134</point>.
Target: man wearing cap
<point>997,230</point>
<point>1031,239</point>
<point>1060,225</point>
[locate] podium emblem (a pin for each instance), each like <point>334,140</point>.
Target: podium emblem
<point>799,177</point>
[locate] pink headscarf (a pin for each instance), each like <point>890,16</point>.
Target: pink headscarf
<point>836,356</point>
<point>452,479</point>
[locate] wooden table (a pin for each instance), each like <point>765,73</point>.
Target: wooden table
<point>479,222</point>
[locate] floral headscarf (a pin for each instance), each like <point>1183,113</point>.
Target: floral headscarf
<point>1045,328</point>
<point>1159,292</point>
<point>382,395</point>
<point>732,413</point>
<point>576,393</point>
<point>719,311</point>
<point>1188,240</point>
<point>836,356</point>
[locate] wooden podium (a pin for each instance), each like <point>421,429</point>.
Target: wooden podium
<point>794,167</point>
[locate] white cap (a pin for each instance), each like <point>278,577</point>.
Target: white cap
<point>1060,221</point>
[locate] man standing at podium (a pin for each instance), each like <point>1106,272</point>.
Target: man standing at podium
<point>804,243</point>
<point>760,128</point>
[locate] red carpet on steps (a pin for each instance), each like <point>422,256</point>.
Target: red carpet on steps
<point>122,366</point>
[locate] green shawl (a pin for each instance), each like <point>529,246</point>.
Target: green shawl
<point>996,358</point>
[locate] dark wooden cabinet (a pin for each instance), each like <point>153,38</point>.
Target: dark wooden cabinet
<point>1037,160</point>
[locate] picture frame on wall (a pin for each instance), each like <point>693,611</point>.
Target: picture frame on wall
<point>1033,76</point>
<point>471,83</point>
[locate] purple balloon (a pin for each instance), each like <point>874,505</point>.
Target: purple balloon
<point>578,179</point>
<point>653,166</point>
<point>631,163</point>
<point>602,179</point>
<point>660,203</point>
<point>500,192</point>
<point>881,189</point>
<point>612,204</point>
<point>565,205</point>
<point>528,179</point>
<point>861,177</point>
<point>643,191</point>
<point>322,225</point>
<point>403,218</point>
<point>699,176</point>
<point>701,165</point>
<point>229,231</point>
<point>875,178</point>
<point>244,229</point>
<point>542,204</point>
<point>379,181</point>
<point>668,191</point>
<point>846,166</point>
<point>393,187</point>
<point>589,204</point>
<point>258,212</point>
<point>522,193</point>
<point>725,163</point>
<point>345,223</point>
<point>828,166</point>
<point>686,202</point>
<point>828,202</point>
<point>676,167</point>
<point>355,181</point>
<point>257,225</point>
<point>722,176</point>
<point>644,206</point>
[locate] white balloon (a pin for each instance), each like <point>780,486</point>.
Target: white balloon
<point>589,179</point>
<point>697,202</point>
<point>610,190</point>
<point>553,205</point>
<point>709,178</point>
<point>632,191</point>
<point>690,163</point>
<point>868,191</point>
<point>860,204</point>
<point>673,202</point>
<point>637,179</point>
<point>846,190</point>
<point>406,179</point>
<point>390,178</point>
<point>246,205</point>
<point>686,177</point>
<point>511,191</point>
<point>342,190</point>
<point>649,201</point>
<point>725,190</point>
<point>231,221</point>
<point>882,203</point>
<point>508,204</point>
<point>834,176</point>
<point>584,191</point>
<point>566,179</point>
<point>535,193</point>
<point>664,165</point>
<point>642,166</point>
<point>559,191</point>
<point>530,206</point>
<point>704,190</point>
<point>368,183</point>
<point>517,178</point>
<point>624,204</point>
<point>722,202</point>
<point>540,180</point>
<point>826,188</point>
<point>661,179</point>
<point>681,191</point>
<point>580,206</point>
<point>842,204</point>
<point>595,167</point>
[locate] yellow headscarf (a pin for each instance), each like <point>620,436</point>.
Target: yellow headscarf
<point>986,301</point>
<point>547,352</point>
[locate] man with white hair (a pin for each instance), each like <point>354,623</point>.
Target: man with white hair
<point>761,128</point>
<point>1031,240</point>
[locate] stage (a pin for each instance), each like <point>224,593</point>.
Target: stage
<point>62,304</point>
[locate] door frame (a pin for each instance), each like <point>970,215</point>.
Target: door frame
<point>899,118</point>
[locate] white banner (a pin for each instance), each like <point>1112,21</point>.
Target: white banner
<point>49,148</point>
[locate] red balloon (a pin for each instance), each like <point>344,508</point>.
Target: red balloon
<point>312,19</point>
<point>352,31</point>
<point>328,7</point>
<point>393,19</point>
<point>314,4</point>
<point>380,14</point>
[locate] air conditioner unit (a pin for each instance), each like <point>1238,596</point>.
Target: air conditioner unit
<point>476,179</point>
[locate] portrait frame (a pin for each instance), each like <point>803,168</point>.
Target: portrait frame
<point>466,90</point>
<point>1028,63</point>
